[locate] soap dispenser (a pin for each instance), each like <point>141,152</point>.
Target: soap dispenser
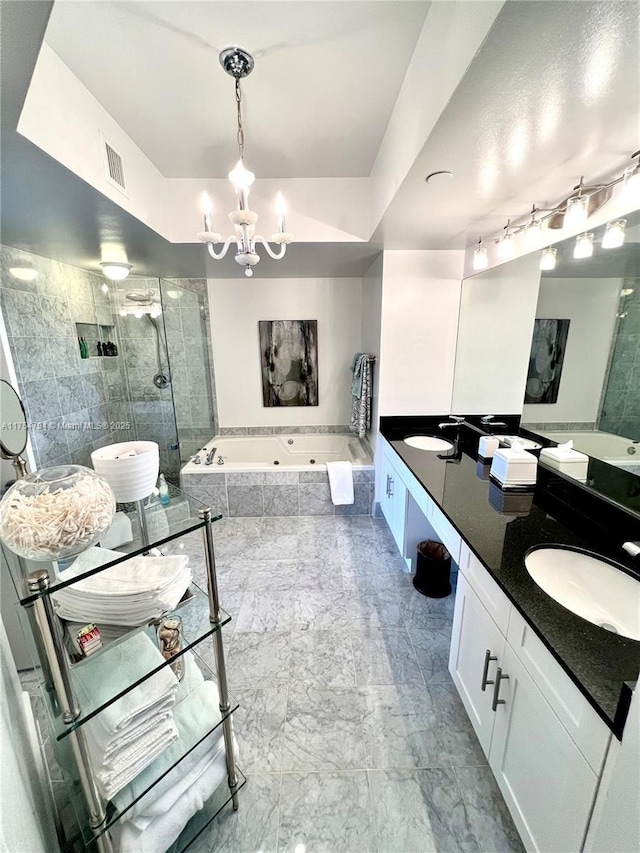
<point>163,488</point>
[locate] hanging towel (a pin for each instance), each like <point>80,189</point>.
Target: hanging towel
<point>340,482</point>
<point>361,402</point>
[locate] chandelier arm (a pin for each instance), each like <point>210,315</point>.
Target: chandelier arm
<point>275,255</point>
<point>217,256</point>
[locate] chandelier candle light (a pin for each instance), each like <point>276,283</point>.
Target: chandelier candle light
<point>238,64</point>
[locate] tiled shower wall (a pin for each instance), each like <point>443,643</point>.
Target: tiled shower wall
<point>149,409</point>
<point>620,409</point>
<point>186,321</point>
<point>74,405</point>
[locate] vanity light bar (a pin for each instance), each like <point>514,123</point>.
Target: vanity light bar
<point>576,213</point>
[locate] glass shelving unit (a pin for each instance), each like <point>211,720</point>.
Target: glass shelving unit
<point>54,656</point>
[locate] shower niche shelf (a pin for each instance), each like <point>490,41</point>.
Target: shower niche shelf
<point>97,333</point>
<point>88,821</point>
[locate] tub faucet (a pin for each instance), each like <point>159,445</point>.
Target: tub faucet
<point>210,456</point>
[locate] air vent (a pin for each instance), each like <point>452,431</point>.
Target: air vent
<point>114,168</point>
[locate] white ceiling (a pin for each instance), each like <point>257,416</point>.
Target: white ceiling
<point>317,104</point>
<point>553,93</point>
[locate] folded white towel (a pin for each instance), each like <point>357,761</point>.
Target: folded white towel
<point>341,482</point>
<point>132,762</point>
<point>116,668</point>
<point>164,829</point>
<point>138,574</point>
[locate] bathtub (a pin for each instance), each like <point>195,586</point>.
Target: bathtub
<point>614,449</point>
<point>278,475</point>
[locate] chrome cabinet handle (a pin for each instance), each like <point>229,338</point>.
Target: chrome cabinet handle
<point>488,657</point>
<point>496,690</point>
<point>390,487</point>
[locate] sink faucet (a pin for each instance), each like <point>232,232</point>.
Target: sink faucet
<point>488,420</point>
<point>455,421</point>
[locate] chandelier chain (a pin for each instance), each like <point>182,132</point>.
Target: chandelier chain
<point>240,133</point>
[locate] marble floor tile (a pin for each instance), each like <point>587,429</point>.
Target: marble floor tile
<point>421,811</point>
<point>279,526</point>
<point>419,610</point>
<point>384,656</point>
<point>374,609</point>
<point>265,611</point>
<point>322,574</point>
<point>319,610</point>
<point>359,576</point>
<point>272,547</point>
<point>401,729</point>
<point>458,735</point>
<point>431,644</point>
<point>488,813</point>
<point>323,658</point>
<point>258,659</point>
<point>271,576</point>
<point>253,828</point>
<point>259,726</point>
<point>323,729</point>
<point>326,813</point>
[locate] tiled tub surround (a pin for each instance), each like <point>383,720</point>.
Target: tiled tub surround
<point>75,405</point>
<point>249,484</point>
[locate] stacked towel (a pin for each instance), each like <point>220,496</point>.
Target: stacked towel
<point>361,391</point>
<point>340,482</point>
<point>129,734</point>
<point>131,593</point>
<point>156,819</point>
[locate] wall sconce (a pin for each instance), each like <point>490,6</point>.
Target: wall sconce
<point>584,246</point>
<point>613,236</point>
<point>548,259</point>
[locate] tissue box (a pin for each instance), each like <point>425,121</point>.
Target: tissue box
<point>513,466</point>
<point>567,460</point>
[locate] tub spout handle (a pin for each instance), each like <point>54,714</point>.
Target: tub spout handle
<point>210,456</point>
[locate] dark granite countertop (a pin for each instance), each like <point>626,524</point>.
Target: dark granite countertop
<point>601,664</point>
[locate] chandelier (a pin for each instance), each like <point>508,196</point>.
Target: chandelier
<point>238,64</point>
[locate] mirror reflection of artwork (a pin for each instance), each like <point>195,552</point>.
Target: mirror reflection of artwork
<point>545,362</point>
<point>289,360</point>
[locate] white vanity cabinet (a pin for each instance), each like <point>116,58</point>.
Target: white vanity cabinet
<point>544,743</point>
<point>394,497</point>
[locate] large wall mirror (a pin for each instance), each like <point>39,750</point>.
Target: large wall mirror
<point>561,347</point>
<point>582,374</point>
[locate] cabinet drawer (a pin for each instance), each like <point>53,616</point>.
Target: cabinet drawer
<point>485,588</point>
<point>446,531</point>
<point>419,494</point>
<point>584,726</point>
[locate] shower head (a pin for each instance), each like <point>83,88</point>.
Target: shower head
<point>140,296</point>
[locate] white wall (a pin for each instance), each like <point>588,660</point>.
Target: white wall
<point>236,307</point>
<point>497,310</point>
<point>63,118</point>
<point>420,301</point>
<point>590,304</point>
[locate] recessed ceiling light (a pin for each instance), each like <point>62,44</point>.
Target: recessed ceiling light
<point>435,177</point>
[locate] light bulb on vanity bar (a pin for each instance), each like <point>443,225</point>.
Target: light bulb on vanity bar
<point>480,257</point>
<point>584,246</point>
<point>548,259</point>
<point>613,236</point>
<point>577,212</point>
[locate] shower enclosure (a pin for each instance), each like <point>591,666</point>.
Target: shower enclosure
<point>161,388</point>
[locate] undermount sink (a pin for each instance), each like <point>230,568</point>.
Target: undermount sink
<point>599,590</point>
<point>428,442</point>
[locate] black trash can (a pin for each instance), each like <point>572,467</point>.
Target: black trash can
<point>433,570</point>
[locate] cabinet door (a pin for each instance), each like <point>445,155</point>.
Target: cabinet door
<point>477,649</point>
<point>547,784</point>
<point>393,502</point>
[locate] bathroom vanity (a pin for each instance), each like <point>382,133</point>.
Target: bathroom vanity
<point>545,690</point>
